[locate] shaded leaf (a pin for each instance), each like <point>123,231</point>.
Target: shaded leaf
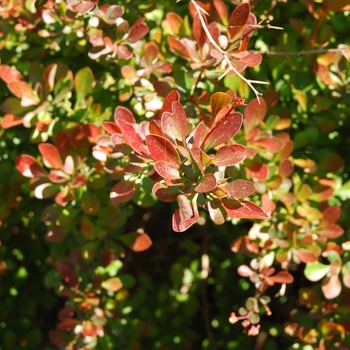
<point>217,101</point>
<point>138,242</point>
<point>83,83</point>
<point>165,193</point>
<point>216,211</point>
<point>207,184</point>
<point>254,113</point>
<point>187,214</point>
<point>256,169</point>
<point>167,171</point>
<point>138,30</point>
<point>331,231</point>
<point>237,21</point>
<point>68,273</point>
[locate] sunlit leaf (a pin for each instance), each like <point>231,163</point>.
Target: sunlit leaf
<point>206,184</point>
<point>315,271</point>
<point>162,149</point>
<point>238,189</point>
<point>112,284</point>
<point>51,155</point>
<point>29,167</point>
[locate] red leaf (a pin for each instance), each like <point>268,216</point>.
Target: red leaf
<point>132,138</point>
<point>245,210</point>
<point>186,216</point>
<point>331,231</point>
<point>91,131</point>
<point>223,130</point>
<point>165,193</point>
<point>68,324</point>
<point>123,114</point>
<point>272,144</point>
<point>199,134</point>
<point>239,189</point>
<point>180,120</point>
<point>237,21</point>
<point>256,170</point>
<point>162,149</point>
<point>51,155</point>
<point>179,47</point>
<point>168,172</point>
<point>68,273</point>
<point>229,155</point>
<point>84,7</point>
<point>9,120</point>
<point>138,30</point>
<point>168,102</point>
<point>331,214</point>
<point>29,167</point>
<point>254,113</point>
<point>251,59</point>
<point>22,90</point>
<point>198,32</point>
<point>207,184</point>
<point>286,168</point>
<point>123,191</point>
<point>282,277</point>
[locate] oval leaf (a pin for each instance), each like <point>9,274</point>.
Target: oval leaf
<point>315,271</point>
<point>162,149</point>
<point>51,155</point>
<point>123,191</point>
<point>29,167</point>
<point>239,189</point>
<point>207,184</point>
<point>113,284</point>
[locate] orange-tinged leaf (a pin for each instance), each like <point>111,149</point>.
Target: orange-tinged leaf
<point>29,167</point>
<point>174,21</point>
<point>254,113</point>
<point>239,189</point>
<point>256,170</point>
<point>331,214</point>
<point>217,101</point>
<point>51,155</point>
<point>243,210</point>
<point>282,277</point>
<point>9,120</point>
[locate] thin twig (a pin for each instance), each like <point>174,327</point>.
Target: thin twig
<point>298,53</point>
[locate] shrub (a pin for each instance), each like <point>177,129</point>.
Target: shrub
<point>174,175</point>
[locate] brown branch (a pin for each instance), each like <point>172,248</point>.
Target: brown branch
<point>298,53</point>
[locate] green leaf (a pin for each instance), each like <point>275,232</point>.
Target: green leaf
<point>315,271</point>
<point>83,83</point>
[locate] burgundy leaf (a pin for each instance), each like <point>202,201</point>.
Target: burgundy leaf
<point>165,193</point>
<point>123,191</point>
<point>239,189</point>
<point>207,184</point>
<point>29,167</point>
<point>55,234</point>
<point>138,30</point>
<point>162,149</point>
<point>243,210</point>
<point>68,273</point>
<point>223,130</point>
<point>63,143</point>
<point>186,216</point>
<point>51,155</point>
<point>282,277</point>
<point>237,21</point>
<point>229,155</point>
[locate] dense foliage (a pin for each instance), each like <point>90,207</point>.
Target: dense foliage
<point>174,175</point>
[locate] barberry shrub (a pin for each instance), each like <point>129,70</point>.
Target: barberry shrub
<point>174,175</point>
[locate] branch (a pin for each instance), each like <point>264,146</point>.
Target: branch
<point>299,53</point>
<point>224,53</point>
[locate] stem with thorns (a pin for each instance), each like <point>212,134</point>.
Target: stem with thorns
<point>230,68</point>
